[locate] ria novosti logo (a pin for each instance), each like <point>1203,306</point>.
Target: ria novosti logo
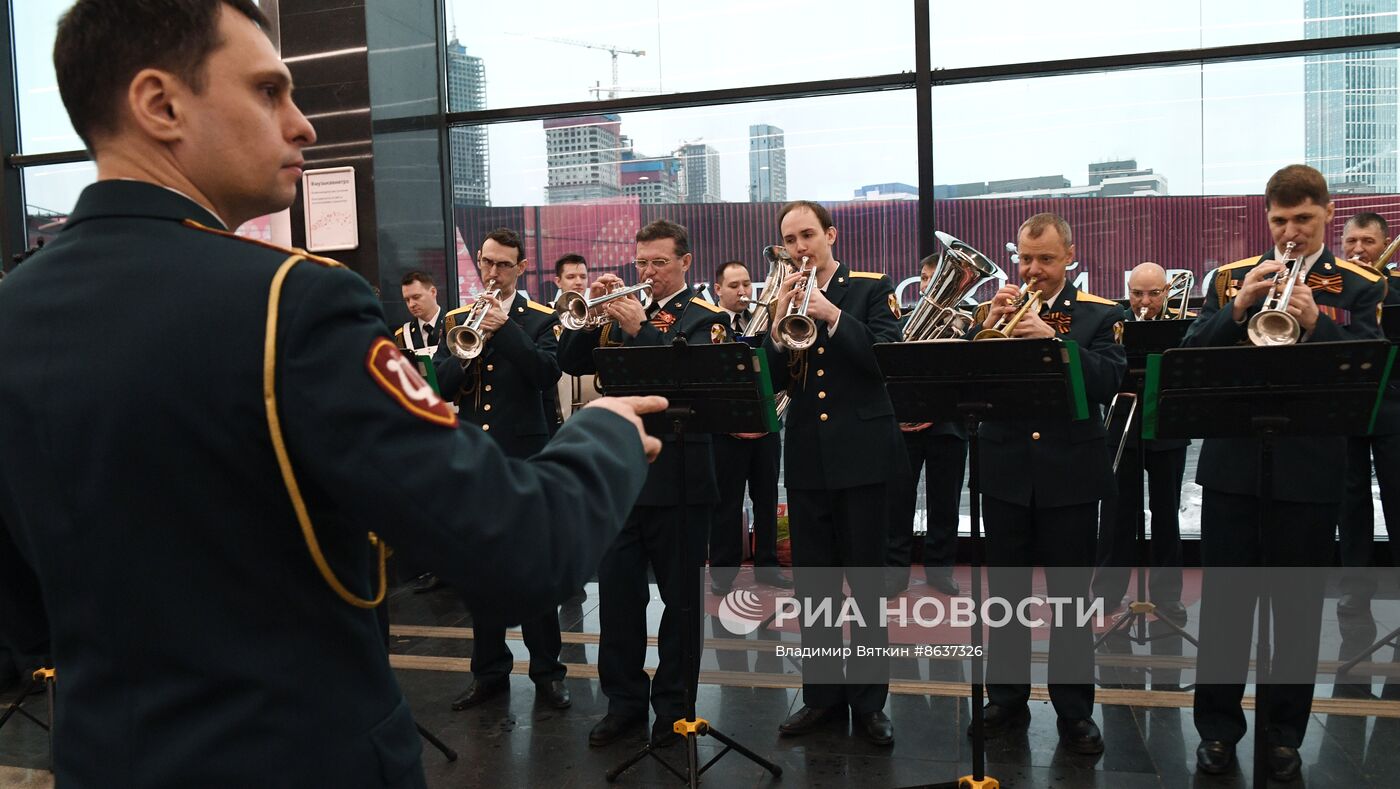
<point>741,612</point>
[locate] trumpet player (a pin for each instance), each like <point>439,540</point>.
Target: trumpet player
<point>501,391</point>
<point>1364,239</point>
<point>842,447</point>
<point>652,533</point>
<point>1042,483</point>
<point>742,459</point>
<point>1331,300</point>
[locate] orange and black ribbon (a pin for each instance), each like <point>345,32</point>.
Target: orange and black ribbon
<point>1058,321</point>
<point>1330,283</point>
<point>662,320</point>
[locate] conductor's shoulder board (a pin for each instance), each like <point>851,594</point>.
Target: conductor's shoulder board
<point>707,305</point>
<point>289,251</point>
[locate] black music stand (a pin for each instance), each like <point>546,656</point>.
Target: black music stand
<point>1142,339</point>
<point>721,388</point>
<point>1318,389</point>
<point>946,380</point>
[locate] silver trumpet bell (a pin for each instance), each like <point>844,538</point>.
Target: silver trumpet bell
<point>577,311</point>
<point>795,329</point>
<point>1272,324</point>
<point>466,341</point>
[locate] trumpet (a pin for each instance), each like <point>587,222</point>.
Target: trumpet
<point>1030,299</point>
<point>795,329</point>
<point>577,311</point>
<point>1142,313</point>
<point>780,266</point>
<point>467,341</point>
<point>1273,325</point>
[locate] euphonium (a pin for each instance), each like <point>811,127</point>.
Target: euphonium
<point>466,341</point>
<point>795,329</point>
<point>577,311</point>
<point>1273,325</point>
<point>1030,300</point>
<point>961,270</point>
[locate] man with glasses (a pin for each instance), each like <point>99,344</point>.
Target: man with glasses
<point>501,391</point>
<point>671,518</point>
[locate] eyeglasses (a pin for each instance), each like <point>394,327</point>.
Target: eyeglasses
<point>495,264</point>
<point>659,263</point>
<point>1138,294</point>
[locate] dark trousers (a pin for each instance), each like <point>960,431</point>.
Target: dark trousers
<point>946,457</point>
<point>1299,535</point>
<point>657,537</point>
<point>738,462</point>
<point>842,528</point>
<point>1062,538</point>
<point>491,658</point>
<point>1356,526</point>
<point>1118,548</point>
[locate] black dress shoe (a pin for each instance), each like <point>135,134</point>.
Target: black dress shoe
<point>944,583</point>
<point>1173,612</point>
<point>614,727</point>
<point>998,720</point>
<point>1353,604</point>
<point>876,727</point>
<point>1215,757</point>
<point>555,693</point>
<point>1080,736</point>
<point>1284,763</point>
<point>772,576</point>
<point>427,582</point>
<point>663,733</point>
<point>479,692</point>
<point>809,719</point>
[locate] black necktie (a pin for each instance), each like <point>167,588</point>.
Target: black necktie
<point>738,324</point>
<point>428,334</point>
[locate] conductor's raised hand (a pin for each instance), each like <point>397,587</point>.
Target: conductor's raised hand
<point>632,409</point>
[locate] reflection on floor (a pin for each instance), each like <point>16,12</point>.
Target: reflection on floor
<point>513,741</point>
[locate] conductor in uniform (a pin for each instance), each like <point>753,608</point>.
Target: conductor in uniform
<point>200,542</point>
<point>842,446</point>
<point>1042,482</point>
<point>502,390</point>
<point>671,518</point>
<point>1336,300</point>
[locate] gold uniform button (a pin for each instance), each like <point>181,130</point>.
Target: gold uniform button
<point>824,417</point>
<point>1034,436</point>
<point>821,395</point>
<point>490,368</point>
<point>820,373</point>
<point>488,387</point>
<point>486,427</point>
<point>487,407</point>
<point>821,351</point>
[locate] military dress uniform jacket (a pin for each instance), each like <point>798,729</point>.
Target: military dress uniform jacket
<point>1346,295</point>
<point>1155,445</point>
<point>1058,462</point>
<point>841,430</point>
<point>195,641</point>
<point>416,340</point>
<point>502,390</point>
<point>700,322</point>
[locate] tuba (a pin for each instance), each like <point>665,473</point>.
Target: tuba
<point>467,340</point>
<point>961,270</point>
<point>1272,324</point>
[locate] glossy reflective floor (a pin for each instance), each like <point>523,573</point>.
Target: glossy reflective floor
<point>512,741</point>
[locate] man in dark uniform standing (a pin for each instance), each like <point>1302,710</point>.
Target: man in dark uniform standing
<point>1041,485</point>
<point>200,542</point>
<point>423,330</point>
<point>1335,301</point>
<point>1364,239</point>
<point>942,447</point>
<point>669,523</point>
<point>501,391</point>
<point>741,459</point>
<point>1164,462</point>
<point>842,447</point>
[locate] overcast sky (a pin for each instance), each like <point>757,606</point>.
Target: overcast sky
<point>1216,130</point>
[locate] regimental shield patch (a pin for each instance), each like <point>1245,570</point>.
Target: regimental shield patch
<point>398,376</point>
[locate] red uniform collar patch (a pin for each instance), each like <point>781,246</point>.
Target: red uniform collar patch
<point>398,376</point>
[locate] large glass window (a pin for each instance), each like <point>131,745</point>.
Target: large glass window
<point>587,184</point>
<point>50,192</point>
<point>43,122</point>
<point>529,53</point>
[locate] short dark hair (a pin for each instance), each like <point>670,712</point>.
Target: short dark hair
<point>728,264</point>
<point>571,259</point>
<point>1369,219</point>
<point>508,238</point>
<point>102,44</point>
<point>663,228</point>
<point>1294,184</point>
<point>928,262</point>
<point>823,215</point>
<point>418,276</point>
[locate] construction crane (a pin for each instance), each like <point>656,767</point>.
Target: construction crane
<point>611,50</point>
